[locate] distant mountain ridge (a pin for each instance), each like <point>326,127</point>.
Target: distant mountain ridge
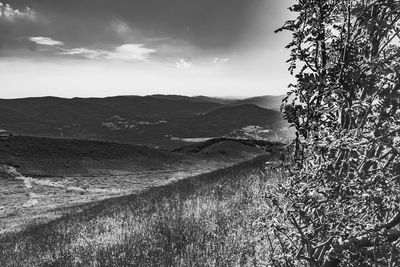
<point>267,101</point>
<point>52,108</point>
<point>149,120</point>
<point>197,98</point>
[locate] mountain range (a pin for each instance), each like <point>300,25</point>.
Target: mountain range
<point>157,120</point>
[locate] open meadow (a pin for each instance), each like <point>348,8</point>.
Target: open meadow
<point>43,179</point>
<point>213,219</point>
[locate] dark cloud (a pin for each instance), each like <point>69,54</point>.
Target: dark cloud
<point>208,24</point>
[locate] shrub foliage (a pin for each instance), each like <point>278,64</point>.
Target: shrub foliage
<point>343,190</point>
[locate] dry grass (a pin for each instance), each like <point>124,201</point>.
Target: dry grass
<point>24,200</point>
<point>208,220</point>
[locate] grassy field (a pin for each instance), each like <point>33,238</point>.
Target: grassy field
<point>213,219</point>
<point>42,178</point>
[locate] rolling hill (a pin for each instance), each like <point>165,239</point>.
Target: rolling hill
<point>267,101</point>
<point>197,98</point>
<point>84,109</point>
<point>222,121</point>
<point>149,120</point>
<point>41,156</point>
<point>44,178</point>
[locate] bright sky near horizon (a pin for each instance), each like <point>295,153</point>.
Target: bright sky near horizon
<point>140,47</point>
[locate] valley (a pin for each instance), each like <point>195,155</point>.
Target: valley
<point>61,158</point>
<point>165,121</point>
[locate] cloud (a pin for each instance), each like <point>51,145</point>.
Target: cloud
<point>8,13</point>
<point>131,52</point>
<point>84,52</point>
<point>221,60</point>
<point>45,41</point>
<point>126,52</point>
<point>183,64</point>
<point>120,28</point>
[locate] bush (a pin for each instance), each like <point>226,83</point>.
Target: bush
<point>342,197</point>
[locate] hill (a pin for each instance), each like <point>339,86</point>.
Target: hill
<point>209,144</point>
<point>150,120</point>
<point>222,121</point>
<point>240,113</point>
<point>199,98</point>
<point>78,110</point>
<point>267,101</point>
<point>40,156</point>
<point>211,219</point>
<point>44,178</point>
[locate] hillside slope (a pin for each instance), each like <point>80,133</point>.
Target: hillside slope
<point>271,147</point>
<point>222,121</point>
<point>197,98</point>
<point>211,219</point>
<point>40,156</point>
<point>267,101</point>
<point>43,178</point>
<point>80,110</point>
<point>37,156</point>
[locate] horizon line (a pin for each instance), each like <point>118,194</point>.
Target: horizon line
<point>233,97</point>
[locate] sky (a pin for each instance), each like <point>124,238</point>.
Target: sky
<point>97,48</point>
